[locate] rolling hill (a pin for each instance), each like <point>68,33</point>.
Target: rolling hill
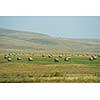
<point>20,41</point>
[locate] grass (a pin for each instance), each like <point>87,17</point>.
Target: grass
<point>44,69</point>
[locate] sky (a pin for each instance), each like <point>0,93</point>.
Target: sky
<point>59,26</point>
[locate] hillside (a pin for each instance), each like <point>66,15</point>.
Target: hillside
<point>20,41</point>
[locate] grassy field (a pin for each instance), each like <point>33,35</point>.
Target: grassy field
<point>44,69</point>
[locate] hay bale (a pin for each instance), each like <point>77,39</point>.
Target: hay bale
<point>98,55</point>
<point>90,58</point>
<point>56,60</point>
<point>43,55</point>
<point>94,57</point>
<point>9,59</point>
<point>87,54</point>
<point>30,59</point>
<point>69,58</point>
<point>9,54</point>
<point>5,57</point>
<point>66,59</point>
<point>19,58</point>
<point>60,56</point>
<point>49,56</point>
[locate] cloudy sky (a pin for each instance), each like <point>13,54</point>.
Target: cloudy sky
<point>70,27</point>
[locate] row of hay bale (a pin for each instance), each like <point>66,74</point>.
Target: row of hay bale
<point>18,58</point>
<point>50,56</point>
<point>65,59</point>
<point>57,59</point>
<point>8,57</point>
<point>92,58</point>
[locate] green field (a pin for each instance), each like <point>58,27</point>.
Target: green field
<point>44,69</point>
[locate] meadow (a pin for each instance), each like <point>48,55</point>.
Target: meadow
<point>44,69</point>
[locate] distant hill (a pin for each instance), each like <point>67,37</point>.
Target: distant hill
<point>20,41</point>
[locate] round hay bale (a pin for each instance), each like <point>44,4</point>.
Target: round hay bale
<point>60,56</point>
<point>30,59</point>
<point>94,57</point>
<point>19,58</point>
<point>98,55</point>
<point>69,58</point>
<point>56,60</point>
<point>95,54</point>
<point>9,59</point>
<point>5,57</point>
<point>49,56</point>
<point>9,54</point>
<point>43,55</point>
<point>90,58</point>
<point>66,59</point>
